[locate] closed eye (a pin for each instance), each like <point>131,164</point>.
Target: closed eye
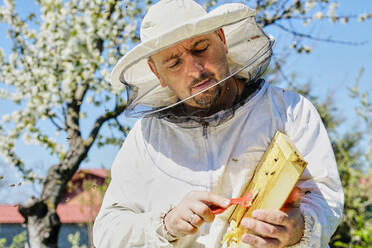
<point>198,51</point>
<point>174,64</point>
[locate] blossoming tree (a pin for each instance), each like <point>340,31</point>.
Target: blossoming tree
<point>60,62</point>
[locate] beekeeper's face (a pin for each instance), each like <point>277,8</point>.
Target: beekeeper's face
<point>191,66</point>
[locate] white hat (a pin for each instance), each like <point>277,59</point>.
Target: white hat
<point>171,21</point>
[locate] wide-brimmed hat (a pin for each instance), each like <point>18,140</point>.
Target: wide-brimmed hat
<point>171,21</point>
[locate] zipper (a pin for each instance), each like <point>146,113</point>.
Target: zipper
<point>205,129</point>
<point>207,152</point>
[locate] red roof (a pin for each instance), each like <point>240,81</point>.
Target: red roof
<point>10,214</point>
<point>67,214</point>
<point>102,173</point>
<point>83,207</point>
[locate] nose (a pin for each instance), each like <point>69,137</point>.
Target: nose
<point>195,65</point>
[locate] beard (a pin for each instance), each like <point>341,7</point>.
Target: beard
<point>209,97</point>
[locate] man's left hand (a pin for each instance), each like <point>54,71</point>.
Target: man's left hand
<point>274,228</point>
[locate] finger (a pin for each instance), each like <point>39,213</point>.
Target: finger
<point>203,210</point>
<point>264,229</point>
<point>185,227</point>
<point>212,199</point>
<point>196,220</point>
<point>258,241</point>
<point>177,223</point>
<point>275,217</point>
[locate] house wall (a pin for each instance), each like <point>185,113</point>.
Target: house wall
<point>8,231</point>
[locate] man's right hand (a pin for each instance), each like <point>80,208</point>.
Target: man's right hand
<point>192,211</point>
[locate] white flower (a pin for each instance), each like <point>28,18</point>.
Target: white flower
<point>309,5</point>
<point>332,12</point>
<point>9,4</point>
<point>318,15</point>
<point>90,99</point>
<point>82,115</point>
<point>344,20</point>
<point>362,17</point>
<point>13,58</point>
<point>307,49</point>
<point>27,138</point>
<point>5,118</point>
<point>333,6</point>
<point>1,55</point>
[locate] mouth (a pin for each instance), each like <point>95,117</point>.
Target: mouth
<point>203,84</point>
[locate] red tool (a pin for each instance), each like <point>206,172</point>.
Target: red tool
<point>245,201</point>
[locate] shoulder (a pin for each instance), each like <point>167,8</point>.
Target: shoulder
<point>291,101</point>
<point>283,95</point>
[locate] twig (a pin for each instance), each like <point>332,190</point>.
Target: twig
<point>295,33</point>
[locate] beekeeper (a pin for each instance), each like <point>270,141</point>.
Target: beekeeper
<point>208,117</point>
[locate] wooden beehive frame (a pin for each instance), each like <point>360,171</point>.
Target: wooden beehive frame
<point>275,176</point>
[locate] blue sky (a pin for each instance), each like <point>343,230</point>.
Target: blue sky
<point>330,67</point>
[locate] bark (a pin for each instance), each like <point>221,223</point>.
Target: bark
<point>43,224</point>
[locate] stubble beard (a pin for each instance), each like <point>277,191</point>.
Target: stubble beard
<point>209,97</point>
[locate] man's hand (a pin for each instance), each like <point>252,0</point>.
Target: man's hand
<point>274,228</point>
<point>192,211</point>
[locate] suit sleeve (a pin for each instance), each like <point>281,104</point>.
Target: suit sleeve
<point>122,220</point>
<point>322,204</point>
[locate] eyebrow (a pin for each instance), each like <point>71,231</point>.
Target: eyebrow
<point>176,56</point>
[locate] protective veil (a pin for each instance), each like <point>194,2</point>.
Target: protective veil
<point>249,50</point>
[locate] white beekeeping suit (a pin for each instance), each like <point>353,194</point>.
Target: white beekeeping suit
<point>166,155</point>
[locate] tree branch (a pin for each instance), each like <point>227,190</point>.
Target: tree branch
<point>279,67</point>
<point>308,36</point>
<point>101,120</point>
<point>55,123</point>
<point>51,118</point>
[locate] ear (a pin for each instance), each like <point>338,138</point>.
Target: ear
<point>152,66</point>
<point>221,35</point>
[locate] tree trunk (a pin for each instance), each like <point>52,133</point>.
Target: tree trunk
<point>43,224</point>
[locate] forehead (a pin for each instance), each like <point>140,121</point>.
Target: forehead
<point>184,45</point>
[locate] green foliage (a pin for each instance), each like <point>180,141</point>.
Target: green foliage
<point>352,150</point>
<point>74,240</point>
<point>353,154</point>
<point>18,241</point>
<point>355,229</point>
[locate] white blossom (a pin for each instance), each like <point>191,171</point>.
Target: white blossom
<point>344,20</point>
<point>362,17</point>
<point>90,99</point>
<point>332,12</point>
<point>309,5</point>
<point>318,15</point>
<point>6,118</point>
<point>307,49</point>
<point>13,58</point>
<point>1,55</point>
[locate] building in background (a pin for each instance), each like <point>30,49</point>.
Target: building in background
<point>79,206</point>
